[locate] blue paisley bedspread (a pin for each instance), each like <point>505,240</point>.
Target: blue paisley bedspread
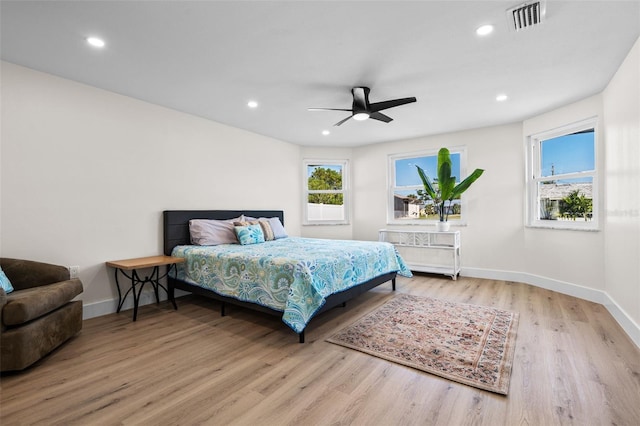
<point>292,275</point>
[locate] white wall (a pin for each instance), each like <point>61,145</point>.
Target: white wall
<point>86,174</point>
<point>622,203</point>
<point>495,242</point>
<point>575,257</point>
<point>492,238</point>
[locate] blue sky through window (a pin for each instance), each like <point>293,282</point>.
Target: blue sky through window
<point>312,168</point>
<point>568,154</point>
<point>407,173</point>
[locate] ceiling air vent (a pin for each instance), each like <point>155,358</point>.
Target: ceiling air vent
<point>526,15</point>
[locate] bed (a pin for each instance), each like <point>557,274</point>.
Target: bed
<point>293,278</point>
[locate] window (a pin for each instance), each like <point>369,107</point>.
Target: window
<point>325,192</point>
<point>562,179</point>
<point>408,203</point>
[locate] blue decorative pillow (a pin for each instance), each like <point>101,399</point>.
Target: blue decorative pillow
<point>5,283</point>
<point>250,234</point>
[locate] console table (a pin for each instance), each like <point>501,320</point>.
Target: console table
<point>427,251</point>
<point>129,268</point>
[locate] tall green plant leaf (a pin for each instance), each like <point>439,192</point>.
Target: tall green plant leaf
<point>447,188</point>
<point>465,184</point>
<point>444,165</point>
<point>426,182</point>
<point>446,182</point>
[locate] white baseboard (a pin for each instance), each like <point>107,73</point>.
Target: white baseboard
<point>110,306</point>
<point>625,321</point>
<point>597,296</point>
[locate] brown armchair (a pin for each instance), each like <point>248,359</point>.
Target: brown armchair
<point>39,315</point>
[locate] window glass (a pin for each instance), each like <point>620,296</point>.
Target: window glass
<point>409,203</point>
<point>568,153</point>
<point>325,190</point>
<point>568,199</point>
<point>563,183</point>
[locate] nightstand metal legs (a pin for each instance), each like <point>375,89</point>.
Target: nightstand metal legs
<point>154,279</point>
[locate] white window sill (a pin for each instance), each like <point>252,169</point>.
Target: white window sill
<point>424,223</point>
<point>563,227</point>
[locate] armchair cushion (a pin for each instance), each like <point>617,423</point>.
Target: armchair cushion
<point>25,305</point>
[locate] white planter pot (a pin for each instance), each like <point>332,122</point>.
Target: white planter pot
<point>442,226</point>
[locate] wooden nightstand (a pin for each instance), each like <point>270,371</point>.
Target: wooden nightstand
<point>129,268</point>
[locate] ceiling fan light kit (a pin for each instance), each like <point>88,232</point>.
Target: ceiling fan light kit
<point>362,109</point>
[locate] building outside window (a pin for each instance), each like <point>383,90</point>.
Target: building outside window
<point>562,177</point>
<point>325,192</point>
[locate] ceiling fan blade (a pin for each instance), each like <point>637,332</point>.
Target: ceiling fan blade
<point>362,109</point>
<point>360,98</point>
<point>328,109</point>
<point>342,121</point>
<point>380,116</point>
<point>379,106</point>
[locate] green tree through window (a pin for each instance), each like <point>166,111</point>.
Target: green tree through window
<point>323,179</point>
<point>576,205</point>
<point>326,192</point>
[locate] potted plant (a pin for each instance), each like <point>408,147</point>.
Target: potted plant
<point>447,190</point>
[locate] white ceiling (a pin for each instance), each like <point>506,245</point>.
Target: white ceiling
<point>208,58</point>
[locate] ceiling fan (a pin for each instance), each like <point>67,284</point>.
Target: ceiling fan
<point>362,109</point>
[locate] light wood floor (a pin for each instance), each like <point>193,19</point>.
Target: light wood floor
<point>573,365</point>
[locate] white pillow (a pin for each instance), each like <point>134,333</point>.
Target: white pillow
<point>210,232</point>
<point>277,227</point>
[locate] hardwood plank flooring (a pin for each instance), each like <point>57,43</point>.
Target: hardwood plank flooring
<point>573,365</point>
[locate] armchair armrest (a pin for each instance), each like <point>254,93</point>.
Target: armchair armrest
<point>3,301</point>
<point>25,274</point>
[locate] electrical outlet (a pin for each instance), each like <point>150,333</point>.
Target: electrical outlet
<point>74,271</point>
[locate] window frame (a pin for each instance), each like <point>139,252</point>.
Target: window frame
<point>346,198</point>
<point>534,177</point>
<point>391,176</point>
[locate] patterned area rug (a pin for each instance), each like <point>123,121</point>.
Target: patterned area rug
<point>465,343</point>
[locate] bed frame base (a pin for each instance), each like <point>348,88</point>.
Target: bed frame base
<point>331,302</point>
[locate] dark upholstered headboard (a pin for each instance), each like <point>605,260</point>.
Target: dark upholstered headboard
<point>176,222</point>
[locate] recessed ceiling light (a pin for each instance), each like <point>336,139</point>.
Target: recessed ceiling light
<point>326,132</point>
<point>484,30</point>
<point>501,97</point>
<point>95,41</point>
<point>252,104</point>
